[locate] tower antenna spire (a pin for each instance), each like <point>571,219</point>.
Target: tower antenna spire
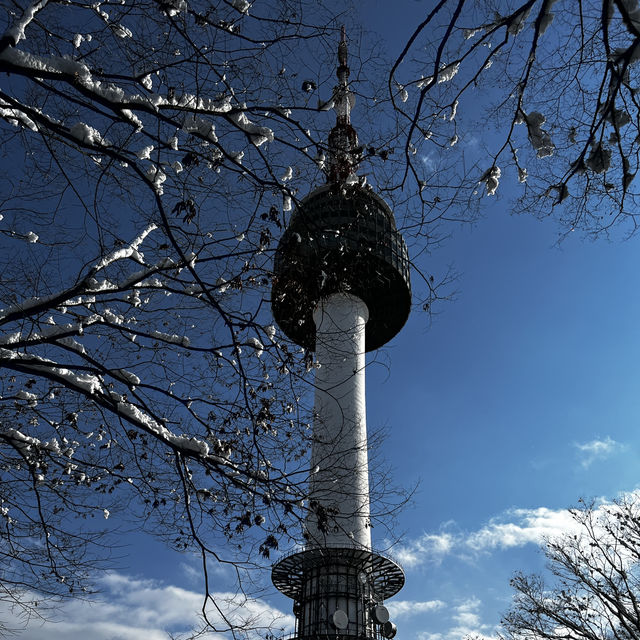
<point>343,139</point>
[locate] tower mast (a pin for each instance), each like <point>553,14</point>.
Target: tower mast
<point>341,288</point>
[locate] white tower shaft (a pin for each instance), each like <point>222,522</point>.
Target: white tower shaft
<point>339,489</point>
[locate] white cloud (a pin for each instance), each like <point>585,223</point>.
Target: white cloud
<point>131,608</point>
<point>597,449</point>
<point>467,613</point>
<point>513,528</point>
<point>519,527</point>
<point>192,574</point>
<point>465,622</point>
<point>428,548</point>
<point>406,608</point>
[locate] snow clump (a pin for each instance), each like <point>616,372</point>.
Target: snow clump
<point>31,398</point>
<point>470,33</point>
<point>257,134</point>
<point>205,128</point>
<point>539,138</point>
<point>173,7</point>
<point>257,345</point>
<point>130,251</point>
<point>145,153</point>
<point>17,31</point>
<point>78,39</point>
<point>448,72</point>
<point>171,338</point>
<point>221,284</point>
<point>121,31</point>
<point>547,17</point>
<point>16,117</point>
<point>454,112</point>
<point>86,134</point>
<point>241,5</point>
<point>491,178</point>
<point>157,176</point>
<point>517,25</point>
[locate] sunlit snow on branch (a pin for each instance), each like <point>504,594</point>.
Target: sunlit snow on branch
<point>241,5</point>
<point>547,17</point>
<point>17,31</point>
<point>87,134</point>
<point>131,251</point>
<point>257,134</point>
<point>491,179</point>
<point>539,138</point>
<point>518,23</point>
<point>16,117</point>
<point>205,128</point>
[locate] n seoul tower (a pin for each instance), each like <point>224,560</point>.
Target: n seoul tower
<point>341,288</point>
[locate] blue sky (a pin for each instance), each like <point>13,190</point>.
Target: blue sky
<point>516,400</point>
<point>519,399</point>
<point>512,404</point>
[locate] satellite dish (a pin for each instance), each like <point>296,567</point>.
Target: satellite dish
<point>380,614</point>
<point>340,619</point>
<point>389,630</point>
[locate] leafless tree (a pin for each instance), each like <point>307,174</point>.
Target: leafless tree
<point>151,153</point>
<point>595,593</point>
<point>541,92</point>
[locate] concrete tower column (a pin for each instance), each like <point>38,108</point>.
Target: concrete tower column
<point>339,465</point>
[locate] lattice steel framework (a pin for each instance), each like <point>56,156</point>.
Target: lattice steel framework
<point>324,580</point>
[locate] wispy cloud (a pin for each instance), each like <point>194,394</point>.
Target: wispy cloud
<point>428,548</point>
<point>131,608</point>
<point>428,161</point>
<point>519,527</point>
<point>406,608</point>
<point>465,622</point>
<point>597,449</point>
<point>513,528</point>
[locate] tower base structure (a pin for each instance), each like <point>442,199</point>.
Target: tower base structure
<point>338,592</point>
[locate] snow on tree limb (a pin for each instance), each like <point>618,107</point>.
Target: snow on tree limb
<point>16,32</point>
<point>539,138</point>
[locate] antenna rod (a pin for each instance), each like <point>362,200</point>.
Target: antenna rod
<point>343,139</point>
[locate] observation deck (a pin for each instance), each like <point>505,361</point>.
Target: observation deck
<point>342,239</point>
